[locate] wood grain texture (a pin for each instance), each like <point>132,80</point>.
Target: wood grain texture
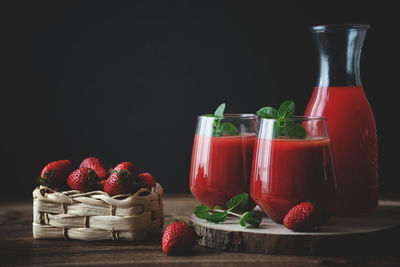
<point>340,236</point>
<point>18,248</point>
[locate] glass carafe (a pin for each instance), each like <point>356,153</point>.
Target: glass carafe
<point>339,96</point>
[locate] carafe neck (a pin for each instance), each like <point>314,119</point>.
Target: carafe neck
<point>339,49</point>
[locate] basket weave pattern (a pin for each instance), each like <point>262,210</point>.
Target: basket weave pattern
<point>95,215</point>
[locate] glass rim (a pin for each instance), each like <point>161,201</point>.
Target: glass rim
<point>327,27</point>
<point>299,118</point>
<point>232,116</point>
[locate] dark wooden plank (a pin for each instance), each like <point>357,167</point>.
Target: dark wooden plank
<point>18,248</point>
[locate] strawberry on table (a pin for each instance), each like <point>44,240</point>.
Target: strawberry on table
<point>303,217</point>
<point>146,180</point>
<point>178,239</point>
<point>55,173</point>
<point>83,179</point>
<point>97,165</point>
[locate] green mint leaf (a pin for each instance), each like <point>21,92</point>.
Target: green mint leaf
<point>217,217</point>
<point>218,207</point>
<point>250,217</point>
<point>219,112</point>
<point>217,132</point>
<point>278,129</point>
<point>222,128</point>
<point>202,211</point>
<point>295,130</point>
<point>228,128</point>
<point>268,113</point>
<point>238,203</point>
<point>286,109</point>
<point>283,127</point>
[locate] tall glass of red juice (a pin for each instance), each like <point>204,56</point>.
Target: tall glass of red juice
<point>339,96</point>
<point>221,164</point>
<point>287,171</point>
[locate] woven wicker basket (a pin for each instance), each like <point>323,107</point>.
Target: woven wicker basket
<point>95,215</point>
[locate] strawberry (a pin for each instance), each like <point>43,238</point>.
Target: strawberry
<point>303,217</point>
<point>146,180</point>
<point>83,179</point>
<point>55,173</point>
<point>127,166</point>
<point>178,238</point>
<point>121,182</point>
<point>97,165</point>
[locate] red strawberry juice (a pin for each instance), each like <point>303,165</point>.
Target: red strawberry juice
<point>352,130</point>
<point>289,171</point>
<point>221,167</point>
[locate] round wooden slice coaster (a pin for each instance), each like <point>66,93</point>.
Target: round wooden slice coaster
<point>340,236</point>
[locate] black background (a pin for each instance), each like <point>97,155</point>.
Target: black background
<point>125,80</point>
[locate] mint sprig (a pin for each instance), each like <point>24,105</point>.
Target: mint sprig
<point>238,203</point>
<point>250,217</point>
<point>286,109</point>
<point>283,126</point>
<point>224,128</point>
<point>235,205</point>
<point>202,211</point>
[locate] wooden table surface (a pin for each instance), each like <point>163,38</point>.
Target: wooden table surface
<point>17,246</point>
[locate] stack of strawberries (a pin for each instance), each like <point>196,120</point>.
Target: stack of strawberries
<point>92,174</point>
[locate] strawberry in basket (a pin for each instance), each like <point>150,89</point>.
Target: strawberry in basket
<point>122,180</point>
<point>90,176</point>
<point>125,178</point>
<point>97,165</point>
<point>147,180</point>
<point>83,179</point>
<point>55,174</point>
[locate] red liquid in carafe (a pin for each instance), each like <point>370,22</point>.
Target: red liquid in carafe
<point>352,131</point>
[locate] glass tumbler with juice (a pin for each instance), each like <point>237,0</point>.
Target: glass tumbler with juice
<point>287,171</point>
<point>221,163</point>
